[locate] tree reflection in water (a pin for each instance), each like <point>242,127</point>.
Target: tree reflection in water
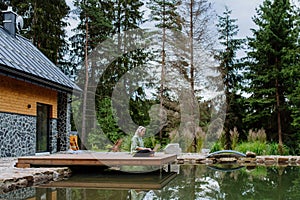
<point>201,182</point>
<point>192,182</point>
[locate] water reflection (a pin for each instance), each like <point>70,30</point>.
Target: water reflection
<point>192,182</point>
<point>225,167</point>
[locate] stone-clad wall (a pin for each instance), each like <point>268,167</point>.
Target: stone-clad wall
<point>53,136</point>
<point>63,123</point>
<point>23,193</point>
<point>18,135</point>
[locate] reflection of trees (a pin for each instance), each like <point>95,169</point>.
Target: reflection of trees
<point>259,183</point>
<point>200,182</point>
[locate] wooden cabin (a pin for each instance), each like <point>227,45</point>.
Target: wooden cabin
<point>34,97</point>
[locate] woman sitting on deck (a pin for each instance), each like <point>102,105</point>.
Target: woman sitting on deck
<point>137,144</point>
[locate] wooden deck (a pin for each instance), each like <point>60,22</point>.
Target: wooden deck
<point>95,159</point>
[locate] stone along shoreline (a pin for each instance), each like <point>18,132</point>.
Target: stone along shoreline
<point>12,178</point>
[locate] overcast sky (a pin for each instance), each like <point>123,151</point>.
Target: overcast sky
<point>242,10</point>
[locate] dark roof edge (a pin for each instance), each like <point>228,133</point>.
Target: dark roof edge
<point>36,80</point>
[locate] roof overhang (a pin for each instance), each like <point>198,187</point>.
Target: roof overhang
<point>20,75</point>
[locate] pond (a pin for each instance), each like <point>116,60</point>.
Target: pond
<point>189,182</point>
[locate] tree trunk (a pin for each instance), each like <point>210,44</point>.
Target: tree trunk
<point>192,74</point>
<point>83,128</point>
<point>280,144</point>
<point>163,65</point>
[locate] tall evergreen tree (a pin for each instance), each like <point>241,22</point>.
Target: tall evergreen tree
<point>44,23</point>
<point>94,27</point>
<point>274,41</point>
<point>229,69</point>
<point>293,73</point>
<point>197,15</point>
<point>126,17</point>
<point>164,14</point>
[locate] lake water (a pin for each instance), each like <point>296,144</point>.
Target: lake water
<point>188,182</point>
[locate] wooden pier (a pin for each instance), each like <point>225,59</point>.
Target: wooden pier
<point>95,159</point>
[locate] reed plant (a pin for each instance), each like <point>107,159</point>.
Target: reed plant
<point>259,135</point>
<point>234,137</point>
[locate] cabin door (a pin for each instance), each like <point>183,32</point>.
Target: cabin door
<point>42,128</point>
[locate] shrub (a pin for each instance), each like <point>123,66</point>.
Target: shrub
<point>126,144</point>
<point>257,147</point>
<point>215,147</point>
<point>272,149</point>
<point>261,148</point>
<point>97,141</point>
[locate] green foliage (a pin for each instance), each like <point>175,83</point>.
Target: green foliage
<point>260,148</point>
<point>44,23</point>
<point>229,69</point>
<point>216,147</point>
<point>257,147</point>
<point>259,172</point>
<point>97,141</point>
<point>150,142</point>
<point>272,149</point>
<point>271,68</point>
<point>126,144</point>
<point>165,14</point>
<point>107,121</point>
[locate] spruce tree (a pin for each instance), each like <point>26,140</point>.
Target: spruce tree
<point>268,72</point>
<point>165,16</point>
<point>94,27</point>
<point>229,70</point>
<point>127,16</point>
<point>44,24</point>
<point>197,16</point>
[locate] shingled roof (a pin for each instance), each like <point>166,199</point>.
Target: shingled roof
<point>19,58</point>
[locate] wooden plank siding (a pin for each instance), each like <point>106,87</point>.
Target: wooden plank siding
<point>16,95</point>
<point>95,159</point>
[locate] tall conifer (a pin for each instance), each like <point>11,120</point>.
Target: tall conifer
<point>94,27</point>
<point>229,69</point>
<point>164,14</point>
<point>271,46</point>
<point>44,24</point>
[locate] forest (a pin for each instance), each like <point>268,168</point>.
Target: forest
<point>165,65</point>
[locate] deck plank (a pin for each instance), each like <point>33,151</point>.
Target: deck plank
<point>95,159</point>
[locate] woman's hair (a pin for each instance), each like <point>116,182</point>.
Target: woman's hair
<point>139,130</point>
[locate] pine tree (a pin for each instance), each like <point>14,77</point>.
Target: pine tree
<point>44,23</point>
<point>268,73</point>
<point>197,17</point>
<point>164,14</point>
<point>293,74</point>
<point>229,69</point>
<point>94,27</point>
